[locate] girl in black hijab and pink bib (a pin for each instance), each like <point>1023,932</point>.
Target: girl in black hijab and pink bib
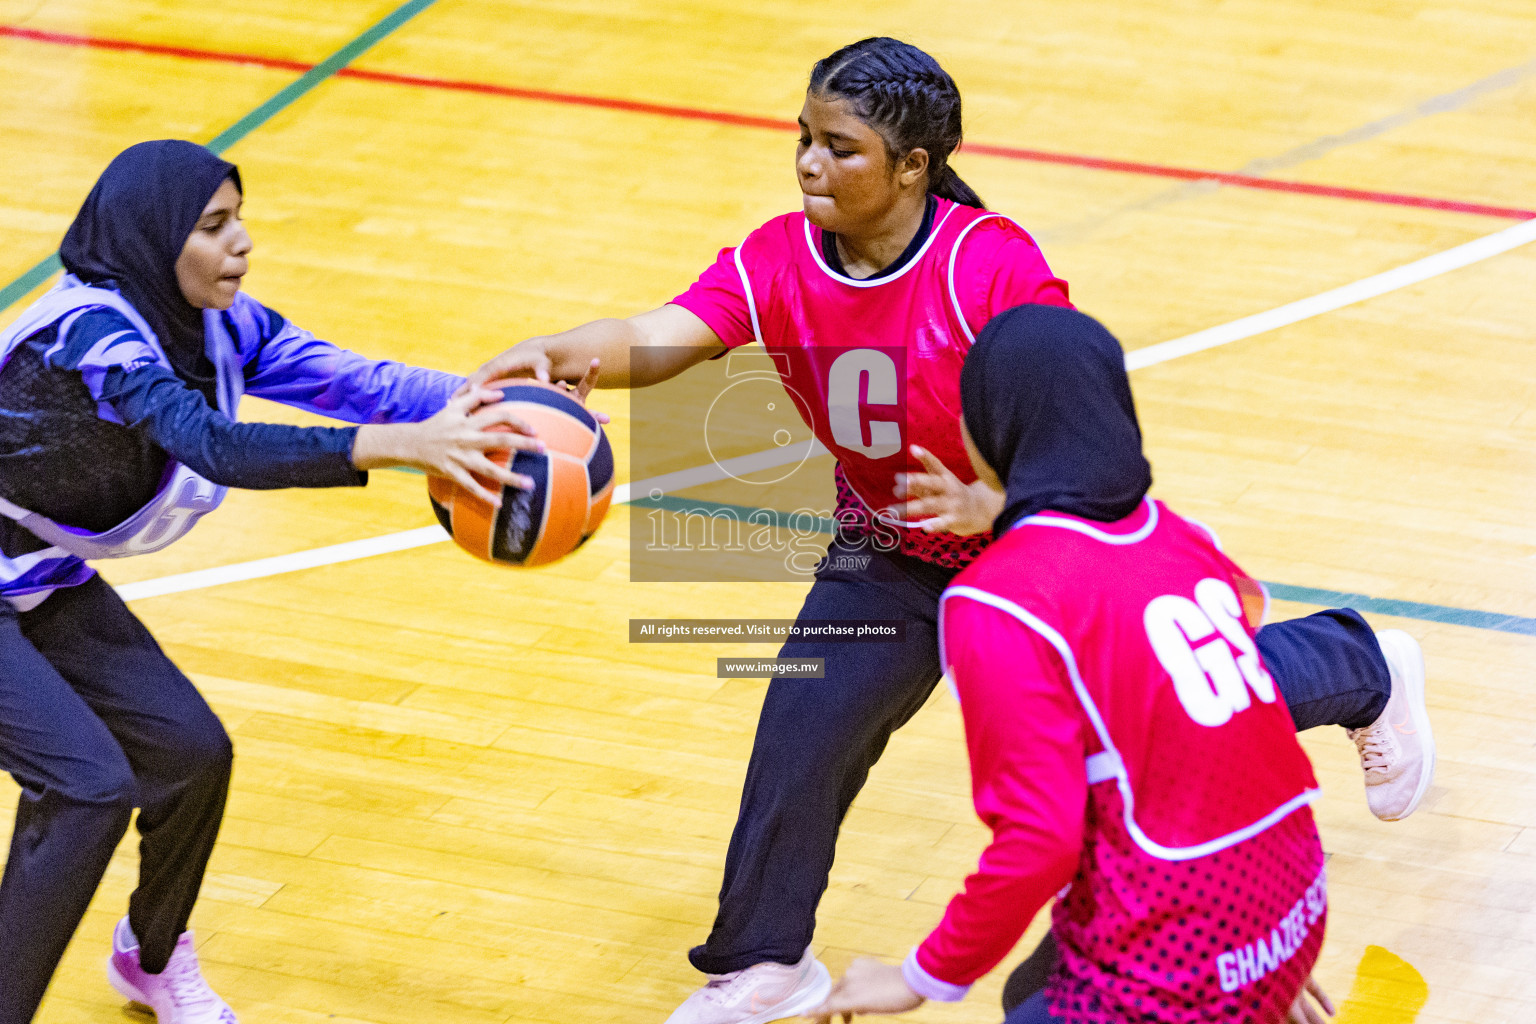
<point>1103,650</point>
<point>118,391</point>
<point>868,298</point>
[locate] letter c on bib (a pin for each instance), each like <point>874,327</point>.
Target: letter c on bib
<point>843,380</point>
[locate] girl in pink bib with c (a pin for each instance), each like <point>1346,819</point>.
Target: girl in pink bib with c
<point>870,297</point>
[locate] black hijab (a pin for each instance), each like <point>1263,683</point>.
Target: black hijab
<point>131,230</point>
<point>1048,405</point>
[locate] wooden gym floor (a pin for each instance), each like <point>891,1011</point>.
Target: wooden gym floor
<point>462,798</point>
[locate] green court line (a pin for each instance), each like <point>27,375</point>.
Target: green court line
<point>317,74</point>
<point>1496,621</point>
<point>12,293</point>
<point>1405,609</point>
<point>284,98</point>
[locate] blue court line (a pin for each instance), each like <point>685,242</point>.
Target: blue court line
<point>1471,617</point>
<point>1405,609</point>
<point>284,98</point>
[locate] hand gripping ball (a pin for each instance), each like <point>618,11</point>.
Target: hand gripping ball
<point>573,482</point>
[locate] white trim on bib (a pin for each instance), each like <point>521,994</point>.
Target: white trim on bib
<point>875,282</point>
<point>1109,764</point>
<point>1141,533</point>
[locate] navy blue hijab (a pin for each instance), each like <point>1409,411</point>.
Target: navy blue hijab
<point>131,230</point>
<point>1048,406</point>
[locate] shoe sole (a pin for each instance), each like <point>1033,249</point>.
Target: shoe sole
<point>1409,659</point>
<point>129,991</point>
<point>799,1004</point>
<point>125,988</point>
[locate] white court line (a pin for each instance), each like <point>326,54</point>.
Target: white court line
<point>351,550</point>
<point>422,536</point>
<point>1475,251</point>
<point>683,479</point>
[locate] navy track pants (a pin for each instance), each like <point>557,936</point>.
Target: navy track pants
<point>1034,1010</point>
<point>818,738</point>
<point>94,721</point>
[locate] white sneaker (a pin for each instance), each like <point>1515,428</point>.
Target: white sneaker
<point>1397,750</point>
<point>758,994</point>
<point>178,994</point>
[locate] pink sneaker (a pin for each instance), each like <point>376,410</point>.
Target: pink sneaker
<point>1397,751</point>
<point>178,995</point>
<point>758,994</point>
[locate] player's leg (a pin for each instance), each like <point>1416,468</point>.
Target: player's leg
<point>816,741</point>
<point>1332,670</point>
<point>181,760</point>
<point>77,795</point>
<point>1329,667</point>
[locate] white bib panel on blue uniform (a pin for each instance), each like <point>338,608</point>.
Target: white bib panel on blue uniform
<point>183,496</point>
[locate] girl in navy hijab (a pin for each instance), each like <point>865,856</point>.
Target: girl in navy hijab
<point>1065,439</point>
<point>1105,656</point>
<point>118,391</point>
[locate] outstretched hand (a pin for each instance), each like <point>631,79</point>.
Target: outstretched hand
<point>869,986</point>
<point>582,388</point>
<point>940,503</point>
<point>529,360</point>
<point>453,443</point>
<point>525,359</point>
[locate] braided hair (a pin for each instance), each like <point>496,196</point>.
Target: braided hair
<point>902,93</point>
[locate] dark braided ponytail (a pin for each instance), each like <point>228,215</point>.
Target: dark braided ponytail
<point>902,93</point>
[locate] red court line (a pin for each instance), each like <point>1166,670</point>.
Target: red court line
<point>574,99</point>
<point>749,121</point>
<point>1249,181</point>
<point>129,46</point>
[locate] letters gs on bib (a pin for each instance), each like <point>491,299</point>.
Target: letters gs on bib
<point>1204,647</point>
